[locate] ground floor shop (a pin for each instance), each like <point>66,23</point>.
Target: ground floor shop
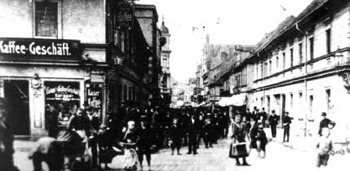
<point>43,96</point>
<point>306,100</point>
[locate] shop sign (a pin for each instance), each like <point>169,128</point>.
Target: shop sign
<point>39,48</point>
<point>94,96</point>
<point>62,91</point>
<point>125,17</point>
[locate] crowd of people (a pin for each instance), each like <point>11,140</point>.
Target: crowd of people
<point>137,132</point>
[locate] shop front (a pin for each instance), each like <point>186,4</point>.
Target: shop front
<point>44,82</point>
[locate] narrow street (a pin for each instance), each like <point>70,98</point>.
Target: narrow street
<point>278,157</point>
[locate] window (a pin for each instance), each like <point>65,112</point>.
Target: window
<point>284,60</point>
<point>277,61</point>
<point>291,57</point>
<point>262,70</point>
<point>265,69</point>
<point>311,101</point>
<point>328,99</point>
<point>328,40</point>
<point>125,92</point>
<point>46,18</point>
<point>291,103</point>
<point>311,42</point>
<point>300,53</point>
<point>270,67</point>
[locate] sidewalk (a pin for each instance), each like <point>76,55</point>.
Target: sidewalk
<point>295,141</point>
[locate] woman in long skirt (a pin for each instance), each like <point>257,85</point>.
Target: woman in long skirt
<point>238,147</point>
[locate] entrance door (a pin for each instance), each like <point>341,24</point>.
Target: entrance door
<point>17,96</point>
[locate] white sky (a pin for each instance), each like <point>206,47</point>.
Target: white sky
<point>226,21</point>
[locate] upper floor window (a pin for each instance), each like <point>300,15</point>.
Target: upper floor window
<point>311,42</point>
<point>328,40</point>
<point>284,60</point>
<point>46,18</point>
<point>270,67</point>
<point>277,62</point>
<point>291,57</point>
<point>300,53</point>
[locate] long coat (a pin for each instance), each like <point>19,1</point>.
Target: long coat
<point>239,134</point>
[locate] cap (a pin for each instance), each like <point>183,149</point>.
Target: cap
<point>323,114</point>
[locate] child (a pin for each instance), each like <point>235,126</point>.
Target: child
<point>261,140</point>
<point>325,147</point>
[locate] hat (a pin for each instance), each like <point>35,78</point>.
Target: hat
<point>323,114</point>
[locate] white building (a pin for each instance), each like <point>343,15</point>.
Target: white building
<point>303,67</point>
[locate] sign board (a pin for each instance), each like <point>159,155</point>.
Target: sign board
<point>45,49</point>
<point>125,17</point>
<point>94,92</point>
<point>62,91</point>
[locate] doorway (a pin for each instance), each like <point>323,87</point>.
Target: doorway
<point>17,95</point>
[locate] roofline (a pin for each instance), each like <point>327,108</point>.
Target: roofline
<point>148,6</point>
<point>297,20</point>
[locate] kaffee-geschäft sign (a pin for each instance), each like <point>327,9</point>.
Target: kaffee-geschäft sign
<point>39,48</point>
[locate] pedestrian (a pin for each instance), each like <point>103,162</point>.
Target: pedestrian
<point>95,125</point>
<point>175,136</point>
<point>6,140</point>
<point>238,145</point>
<point>325,147</point>
<point>286,126</point>
<point>192,135</point>
<point>262,116</point>
<point>273,121</point>
<point>261,141</point>
<point>80,124</point>
<point>252,136</point>
<point>144,142</point>
<point>131,161</point>
<point>208,132</point>
<point>51,118</point>
<point>325,123</point>
<point>47,150</point>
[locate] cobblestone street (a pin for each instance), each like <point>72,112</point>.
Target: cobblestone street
<point>279,156</point>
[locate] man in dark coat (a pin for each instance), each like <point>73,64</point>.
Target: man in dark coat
<point>286,125</point>
<point>95,125</point>
<point>6,140</point>
<point>192,134</point>
<point>175,135</point>
<point>143,142</point>
<point>273,121</point>
<point>325,123</point>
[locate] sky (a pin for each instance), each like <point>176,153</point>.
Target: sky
<point>242,22</point>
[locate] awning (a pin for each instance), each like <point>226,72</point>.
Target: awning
<point>235,100</point>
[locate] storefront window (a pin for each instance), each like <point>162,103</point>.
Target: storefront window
<point>62,98</point>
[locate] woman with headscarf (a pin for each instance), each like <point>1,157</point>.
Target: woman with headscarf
<point>238,147</point>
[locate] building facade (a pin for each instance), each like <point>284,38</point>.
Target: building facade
<point>302,67</point>
<point>64,55</point>
<point>52,54</point>
<point>165,83</point>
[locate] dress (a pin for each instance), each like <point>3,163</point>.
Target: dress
<point>131,161</point>
<point>238,147</point>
